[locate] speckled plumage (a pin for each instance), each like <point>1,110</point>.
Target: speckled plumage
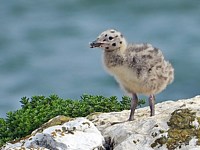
<point>138,68</point>
<point>141,69</point>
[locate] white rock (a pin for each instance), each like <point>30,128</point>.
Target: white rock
<point>144,130</point>
<point>79,134</point>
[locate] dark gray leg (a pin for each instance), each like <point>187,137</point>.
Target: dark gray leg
<point>152,104</point>
<point>134,103</point>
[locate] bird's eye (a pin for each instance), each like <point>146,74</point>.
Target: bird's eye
<point>110,37</point>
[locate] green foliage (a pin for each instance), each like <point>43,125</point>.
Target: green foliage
<point>39,109</point>
<point>141,102</point>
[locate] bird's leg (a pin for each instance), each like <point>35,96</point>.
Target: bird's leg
<point>134,103</point>
<point>152,104</point>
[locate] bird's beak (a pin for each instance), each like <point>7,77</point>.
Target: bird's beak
<point>95,43</point>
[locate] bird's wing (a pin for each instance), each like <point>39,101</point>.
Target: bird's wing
<point>142,58</point>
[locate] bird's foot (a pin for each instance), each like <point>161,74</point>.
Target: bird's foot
<point>130,119</point>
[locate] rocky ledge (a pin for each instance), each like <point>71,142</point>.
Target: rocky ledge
<point>175,126</point>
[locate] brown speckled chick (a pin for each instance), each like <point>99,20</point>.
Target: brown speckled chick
<point>138,68</point>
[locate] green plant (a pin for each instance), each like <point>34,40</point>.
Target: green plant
<point>39,109</point>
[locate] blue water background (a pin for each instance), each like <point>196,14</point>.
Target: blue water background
<point>44,46</point>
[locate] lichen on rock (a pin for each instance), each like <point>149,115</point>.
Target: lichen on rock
<point>59,120</point>
<point>181,130</point>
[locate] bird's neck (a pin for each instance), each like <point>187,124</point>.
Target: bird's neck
<point>113,53</point>
<point>113,59</point>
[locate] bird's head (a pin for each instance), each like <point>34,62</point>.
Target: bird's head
<point>110,40</point>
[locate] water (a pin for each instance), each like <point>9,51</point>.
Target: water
<point>44,46</point>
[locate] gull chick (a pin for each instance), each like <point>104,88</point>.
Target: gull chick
<point>138,68</point>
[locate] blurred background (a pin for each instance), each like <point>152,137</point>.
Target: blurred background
<point>44,46</point>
